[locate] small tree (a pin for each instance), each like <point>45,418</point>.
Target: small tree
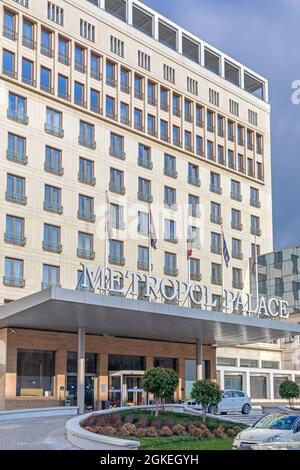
<point>162,383</point>
<point>290,391</point>
<point>206,393</point>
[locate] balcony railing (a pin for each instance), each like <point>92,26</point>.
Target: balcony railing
<point>47,88</point>
<point>188,117</point>
<point>53,168</point>
<point>52,247</point>
<point>28,41</point>
<point>145,163</point>
<point>96,75</point>
<point>236,225</point>
<point>64,59</point>
<point>142,266</point>
<point>14,239</point>
<point>256,231</point>
<point>16,116</point>
<point>10,33</point>
<point>169,171</point>
<point>200,123</point>
<point>17,198</point>
<point>171,238</point>
<point>145,197</point>
<point>117,188</point>
<point>10,281</point>
<point>236,196</point>
<point>221,133</point>
<point>80,67</point>
<point>216,249</point>
<point>125,88</point>
<point>96,108</point>
<point>16,157</point>
<point>164,106</point>
<point>194,180</point>
<point>117,152</point>
<point>215,188</point>
<point>177,112</point>
<point>110,81</point>
<point>48,285</point>
<point>139,95</point>
<point>217,281</point>
<point>194,211</point>
<point>47,51</point>
<point>86,254</point>
<point>231,137</point>
<point>112,115</point>
<point>171,271</point>
<point>118,260</point>
<point>259,150</point>
<point>152,101</point>
<point>86,179</point>
<point>210,128</point>
<point>10,73</point>
<point>55,131</point>
<point>216,219</point>
<point>63,95</point>
<point>53,207</point>
<point>171,205</point>
<point>237,255</point>
<point>255,203</point>
<point>90,144</point>
<point>241,142</point>
<point>86,215</point>
<point>28,80</point>
<point>196,276</point>
<point>237,284</point>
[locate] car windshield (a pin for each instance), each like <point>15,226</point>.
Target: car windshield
<point>284,423</point>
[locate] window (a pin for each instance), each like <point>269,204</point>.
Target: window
<point>13,276</point>
<point>80,54</point>
<point>87,30</point>
<point>255,226</point>
<point>236,219</point>
<point>199,115</point>
<point>52,201</point>
<point>46,42</point>
<point>254,86</point>
<point>63,50</point>
<point>138,87</point>
<point>35,373</point>
<point>117,216</point>
<point>116,184</point>
<point>86,208</point>
<point>143,223</point>
<point>151,93</point>
<point>116,8</point>
<point>237,249</point>
<point>117,146</point>
<point>53,124</point>
<point>230,131</point>
<point>226,361</point>
<point>15,230</point>
<point>167,35</point>
<point>237,278</point>
<point>144,190</point>
<point>216,243</point>
<point>170,166</point>
<point>63,87</point>
<point>190,49</point>
<point>234,107</point>
<point>231,160</point>
<point>250,137</point>
<point>110,108</point>
<point>164,99</point>
<point>85,246</point>
<point>236,190</point>
<point>142,20</point>
<point>51,276</point>
<point>187,110</point>
<point>95,101</point>
<point>195,236</point>
<point>95,66</point>
<point>199,145</point>
<point>28,35</point>
<point>27,72</point>
<point>143,258</point>
<point>164,130</point>
<point>144,60</point>
<point>170,231</point>
<point>212,61</point>
<point>86,171</point>
<point>176,105</point>
<point>55,13</point>
<point>151,125</point>
<point>214,97</point>
<point>53,161</point>
<point>46,80</point>
<point>87,135</point>
<point>171,264</point>
<point>210,150</point>
<point>79,94</point>
<point>117,46</point>
<point>215,183</point>
<point>8,64</point>
<point>144,158</point>
<point>221,158</point>
<point>188,141</point>
<point>241,165</point>
<point>210,121</point>
<point>194,205</point>
<point>259,144</point>
<point>195,270</point>
<point>169,74</point>
<point>176,136</point>
<point>9,25</point>
<point>125,80</point>
<point>252,117</point>
<point>192,86</point>
<point>232,73</point>
<point>259,171</point>
<point>216,274</point>
<point>193,174</point>
<point>116,252</point>
<point>279,287</point>
<point>215,214</point>
<point>138,119</point>
<point>124,114</point>
<point>52,239</point>
<point>254,197</point>
<point>15,189</point>
<point>270,364</point>
<point>16,149</point>
<point>170,198</point>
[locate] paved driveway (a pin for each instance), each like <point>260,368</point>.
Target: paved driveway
<point>35,434</point>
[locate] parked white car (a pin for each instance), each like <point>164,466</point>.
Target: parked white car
<point>270,429</point>
<point>231,401</point>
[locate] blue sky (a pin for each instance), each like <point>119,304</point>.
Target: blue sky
<point>265,36</point>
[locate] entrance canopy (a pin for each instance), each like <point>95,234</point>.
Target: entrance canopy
<point>66,310</point>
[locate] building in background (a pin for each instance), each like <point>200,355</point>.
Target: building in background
<point>112,102</point>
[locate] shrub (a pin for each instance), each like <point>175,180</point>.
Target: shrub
<point>231,432</point>
<point>178,430</point>
<point>110,430</point>
<point>141,432</point>
<point>99,430</point>
<point>89,429</point>
<point>156,423</point>
<point>115,418</point>
<point>197,432</point>
<point>151,432</point>
<point>168,423</point>
<point>219,432</point>
<point>128,429</point>
<point>166,431</point>
<point>206,434</point>
<point>143,422</point>
<point>190,428</point>
<point>128,419</point>
<point>290,391</point>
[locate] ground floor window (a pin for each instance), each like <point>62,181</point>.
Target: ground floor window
<point>258,387</point>
<point>165,362</point>
<point>233,382</point>
<point>35,373</point>
<point>190,374</point>
<point>90,373</point>
<point>118,362</point>
<point>277,382</point>
<point>126,390</point>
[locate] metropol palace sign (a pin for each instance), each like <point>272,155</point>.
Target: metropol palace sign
<point>127,283</point>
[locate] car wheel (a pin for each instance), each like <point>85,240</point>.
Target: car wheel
<point>246,409</point>
<point>212,410</point>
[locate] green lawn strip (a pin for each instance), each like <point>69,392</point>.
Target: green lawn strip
<point>184,443</point>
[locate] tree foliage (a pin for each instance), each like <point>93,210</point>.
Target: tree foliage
<point>289,390</point>
<point>206,393</point>
<point>162,383</point>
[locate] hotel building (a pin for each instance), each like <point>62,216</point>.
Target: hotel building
<point>106,102</point>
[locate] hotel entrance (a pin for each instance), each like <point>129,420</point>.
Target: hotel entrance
<point>125,389</point>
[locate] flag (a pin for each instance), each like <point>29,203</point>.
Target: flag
<point>190,239</point>
<point>225,251</point>
<point>152,231</point>
<point>108,221</point>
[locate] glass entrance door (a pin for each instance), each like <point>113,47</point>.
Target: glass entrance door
<point>133,393</point>
<point>89,391</point>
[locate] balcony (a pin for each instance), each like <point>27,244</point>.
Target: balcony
<point>165,137</point>
<point>145,163</point>
<point>237,255</point>
<point>144,197</point>
<point>196,276</point>
<point>255,203</point>
<point>117,260</point>
<point>199,123</point>
<point>211,128</point>
<point>112,115</point>
<point>231,137</point>
<point>241,142</point>
<point>236,196</point>
<point>216,219</point>
<point>29,80</point>
<point>49,285</point>
<point>53,168</point>
<point>177,112</point>
<point>86,254</point>
<point>236,225</point>
<point>47,51</point>
<point>171,239</point>
<point>28,41</point>
<point>189,148</point>
<point>152,101</point>
<point>117,188</point>
<point>211,157</point>
<point>221,133</point>
<point>16,198</point>
<point>10,281</point>
<point>10,33</point>
<point>86,179</point>
<point>216,249</point>
<point>10,73</point>
<point>63,95</point>
<point>171,205</point>
<point>164,106</point>
<point>125,120</point>
<point>142,266</point>
<point>110,81</point>
<point>260,176</point>
<point>171,271</point>
<point>80,67</point>
<point>259,150</point>
<point>52,247</point>
<point>188,117</point>
<point>16,157</point>
<point>95,108</point>
<point>47,88</point>
<point>139,95</point>
<point>237,284</point>
<point>125,88</point>
<point>96,75</point>
<point>177,142</point>
<point>53,207</point>
<point>194,211</point>
<point>16,116</point>
<point>55,131</point>
<point>13,239</point>
<point>215,188</point>
<point>250,146</point>
<point>86,215</point>
<point>64,59</point>
<point>256,231</point>
<point>194,180</point>
<point>80,102</point>
<point>117,152</point>
<point>217,281</point>
<point>169,171</point>
<point>88,143</point>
